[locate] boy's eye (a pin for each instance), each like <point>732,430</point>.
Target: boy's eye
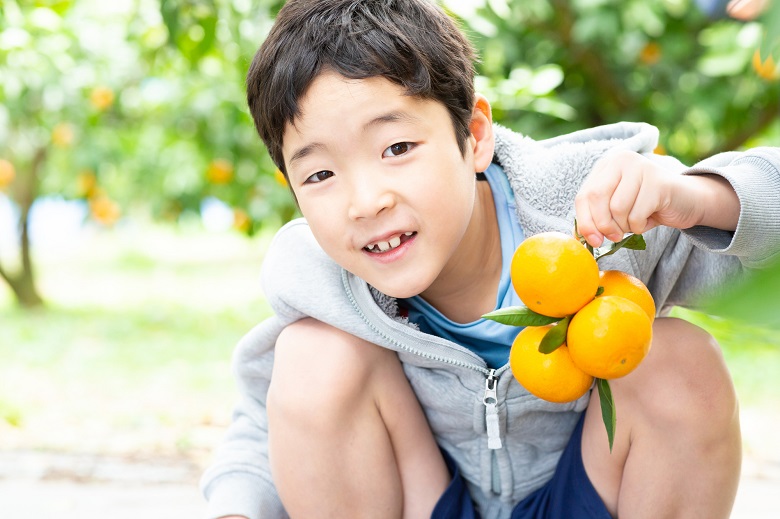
<point>399,148</point>
<point>319,177</point>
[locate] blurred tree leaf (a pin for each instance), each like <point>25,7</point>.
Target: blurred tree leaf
<point>755,300</point>
<point>631,60</point>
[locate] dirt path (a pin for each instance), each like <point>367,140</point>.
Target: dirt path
<point>37,485</point>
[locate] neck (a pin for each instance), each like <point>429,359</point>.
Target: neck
<point>467,287</point>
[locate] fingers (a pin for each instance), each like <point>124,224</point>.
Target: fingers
<point>594,217</point>
<point>617,197</point>
<point>623,203</point>
<point>635,201</point>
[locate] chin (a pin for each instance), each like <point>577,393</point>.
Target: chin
<point>396,291</point>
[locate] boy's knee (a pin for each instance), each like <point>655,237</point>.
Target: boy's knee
<point>689,380</point>
<point>320,372</point>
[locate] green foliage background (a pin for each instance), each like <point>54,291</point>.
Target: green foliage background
<point>554,66</point>
<point>173,73</point>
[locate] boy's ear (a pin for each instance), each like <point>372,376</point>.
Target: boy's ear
<point>482,139</point>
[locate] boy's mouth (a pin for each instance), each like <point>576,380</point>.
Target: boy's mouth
<point>392,243</point>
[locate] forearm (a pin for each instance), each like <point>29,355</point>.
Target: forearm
<point>720,206</point>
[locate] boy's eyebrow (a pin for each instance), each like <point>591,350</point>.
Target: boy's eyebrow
<point>389,117</point>
<point>306,150</point>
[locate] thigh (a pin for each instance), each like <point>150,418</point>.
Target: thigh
<point>347,434</point>
<point>677,434</point>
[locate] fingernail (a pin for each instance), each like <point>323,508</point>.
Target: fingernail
<point>595,240</point>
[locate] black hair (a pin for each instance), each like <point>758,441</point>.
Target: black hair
<point>412,43</point>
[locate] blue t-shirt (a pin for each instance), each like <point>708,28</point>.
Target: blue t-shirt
<point>488,339</point>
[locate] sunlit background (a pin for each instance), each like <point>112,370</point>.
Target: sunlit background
<point>136,203</point>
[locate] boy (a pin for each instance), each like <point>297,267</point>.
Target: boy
<point>377,390</point>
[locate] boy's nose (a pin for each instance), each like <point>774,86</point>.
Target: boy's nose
<point>368,200</point>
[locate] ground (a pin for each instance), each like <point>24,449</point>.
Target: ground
<point>72,486</point>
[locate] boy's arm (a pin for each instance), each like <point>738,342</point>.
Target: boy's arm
<point>681,266</point>
<point>730,202</point>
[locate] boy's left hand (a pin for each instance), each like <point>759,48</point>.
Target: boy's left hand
<point>628,192</point>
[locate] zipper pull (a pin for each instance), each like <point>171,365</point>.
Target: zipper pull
<point>491,411</point>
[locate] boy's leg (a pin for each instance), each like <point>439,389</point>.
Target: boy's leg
<point>347,434</point>
<point>677,450</point>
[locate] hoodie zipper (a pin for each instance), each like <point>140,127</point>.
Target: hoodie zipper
<point>490,398</point>
<point>491,411</point>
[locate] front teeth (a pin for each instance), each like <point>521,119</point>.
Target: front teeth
<point>383,246</point>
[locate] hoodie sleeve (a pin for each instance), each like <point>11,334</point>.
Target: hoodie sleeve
<point>755,177</point>
<point>239,480</point>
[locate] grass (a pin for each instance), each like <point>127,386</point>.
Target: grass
<point>132,354</point>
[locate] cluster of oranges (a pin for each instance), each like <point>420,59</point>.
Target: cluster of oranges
<point>101,97</point>
<point>7,173</point>
<point>599,322</point>
<point>102,208</point>
<point>766,68</point>
<point>219,171</point>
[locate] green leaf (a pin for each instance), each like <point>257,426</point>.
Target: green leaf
<point>599,291</point>
<point>607,409</point>
<point>520,316</point>
<point>633,242</point>
<point>169,10</point>
<point>555,336</point>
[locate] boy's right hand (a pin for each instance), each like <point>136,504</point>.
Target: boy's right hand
<point>628,192</point>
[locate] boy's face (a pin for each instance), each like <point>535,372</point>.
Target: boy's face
<point>382,182</point>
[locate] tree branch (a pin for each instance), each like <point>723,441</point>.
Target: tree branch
<point>769,114</point>
<point>26,200</point>
<point>6,276</point>
<point>588,62</point>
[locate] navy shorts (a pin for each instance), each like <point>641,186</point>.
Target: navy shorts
<point>568,495</point>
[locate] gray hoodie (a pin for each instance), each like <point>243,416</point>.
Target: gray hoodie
<point>507,449</point>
